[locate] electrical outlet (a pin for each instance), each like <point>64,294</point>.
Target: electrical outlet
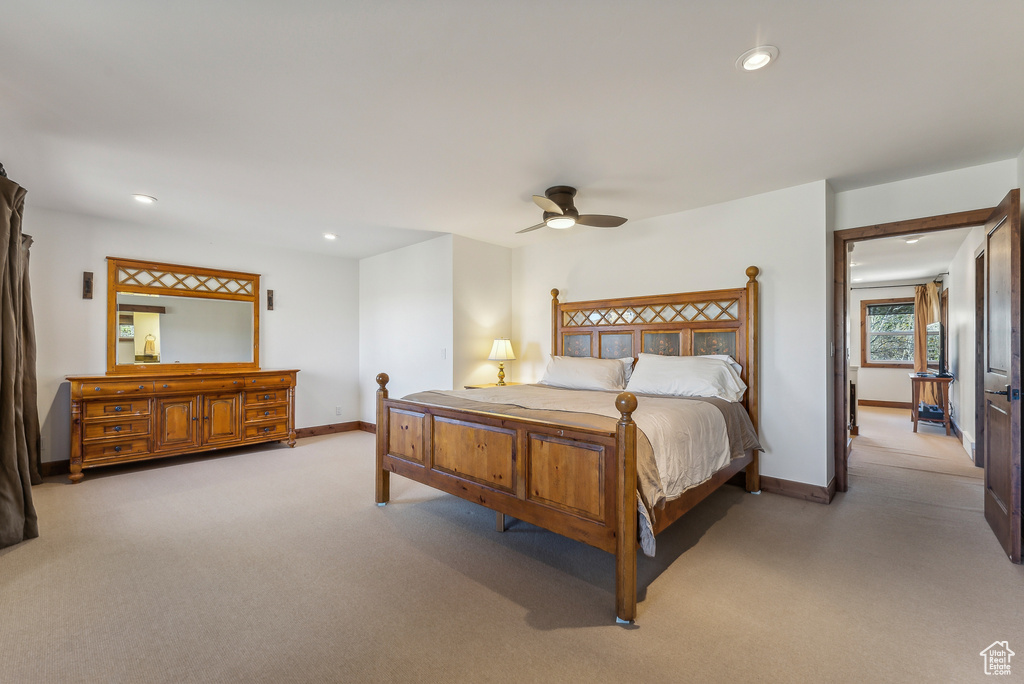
<point>337,410</point>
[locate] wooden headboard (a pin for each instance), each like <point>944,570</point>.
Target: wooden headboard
<point>683,324</point>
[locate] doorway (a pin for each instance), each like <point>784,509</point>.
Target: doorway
<point>842,241</point>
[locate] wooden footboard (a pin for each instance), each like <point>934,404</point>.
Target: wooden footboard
<point>577,482</point>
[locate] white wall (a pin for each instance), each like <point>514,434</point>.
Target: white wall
<point>481,310</point>
<point>877,384</point>
<point>962,334</point>
<point>1020,169</point>
<point>975,187</point>
<point>312,327</point>
<point>406,327</point>
<point>784,233</point>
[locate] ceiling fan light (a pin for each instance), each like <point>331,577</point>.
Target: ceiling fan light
<point>561,222</point>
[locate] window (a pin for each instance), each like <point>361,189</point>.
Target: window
<point>887,334</point>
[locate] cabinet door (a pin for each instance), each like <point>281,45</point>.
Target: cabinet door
<point>222,418</point>
<point>176,423</point>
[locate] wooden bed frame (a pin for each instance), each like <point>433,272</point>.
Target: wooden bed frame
<point>577,482</point>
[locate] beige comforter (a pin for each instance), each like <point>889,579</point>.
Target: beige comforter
<point>681,443</point>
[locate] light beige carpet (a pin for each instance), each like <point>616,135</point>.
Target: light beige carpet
<point>274,565</point>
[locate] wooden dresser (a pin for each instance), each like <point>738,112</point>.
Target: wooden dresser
<point>116,419</point>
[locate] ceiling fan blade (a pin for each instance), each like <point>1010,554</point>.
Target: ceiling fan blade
<point>547,204</point>
<point>600,220</point>
<point>527,230</point>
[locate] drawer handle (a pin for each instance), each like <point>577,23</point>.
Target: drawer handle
<point>266,413</point>
<point>266,429</point>
<point>117,428</point>
<point>165,386</point>
<point>142,386</point>
<point>117,408</point>
<point>117,448</point>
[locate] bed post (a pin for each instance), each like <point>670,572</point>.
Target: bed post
<point>383,480</point>
<point>626,511</point>
<point>753,361</point>
<point>554,322</point>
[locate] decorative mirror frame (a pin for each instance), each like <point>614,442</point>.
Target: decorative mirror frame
<point>153,277</point>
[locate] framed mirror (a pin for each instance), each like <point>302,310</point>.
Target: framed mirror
<point>172,318</point>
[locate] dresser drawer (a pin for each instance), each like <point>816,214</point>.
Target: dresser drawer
<point>114,450</point>
<point>270,380</point>
<point>266,413</point>
<point>105,389</point>
<point>266,396</point>
<point>199,384</point>
<point>256,430</point>
<point>111,409</point>
<point>121,428</point>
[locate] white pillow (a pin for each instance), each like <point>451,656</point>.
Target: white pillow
<point>585,373</point>
<point>728,359</point>
<point>627,366</point>
<point>686,376</point>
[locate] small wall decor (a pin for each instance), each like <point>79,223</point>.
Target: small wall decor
<point>270,300</point>
<point>87,285</point>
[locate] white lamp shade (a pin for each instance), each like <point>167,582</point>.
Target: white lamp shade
<point>501,350</point>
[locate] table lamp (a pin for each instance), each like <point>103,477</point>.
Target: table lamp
<point>501,351</point>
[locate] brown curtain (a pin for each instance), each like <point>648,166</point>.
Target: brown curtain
<point>19,417</point>
<point>926,311</point>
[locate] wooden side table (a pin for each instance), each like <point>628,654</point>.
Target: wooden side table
<point>942,384</point>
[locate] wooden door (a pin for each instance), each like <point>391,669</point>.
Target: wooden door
<point>176,423</point>
<point>222,418</point>
<point>1001,427</point>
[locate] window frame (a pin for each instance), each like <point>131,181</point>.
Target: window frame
<point>865,360</point>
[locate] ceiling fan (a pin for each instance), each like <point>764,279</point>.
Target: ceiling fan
<point>559,212</point>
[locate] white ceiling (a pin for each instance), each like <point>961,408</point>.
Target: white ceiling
<point>380,119</point>
<point>894,260</point>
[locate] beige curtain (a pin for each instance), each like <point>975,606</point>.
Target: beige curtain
<point>926,311</point>
<point>19,418</point>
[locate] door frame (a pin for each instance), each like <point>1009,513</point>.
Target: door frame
<point>841,242</point>
<point>979,357</point>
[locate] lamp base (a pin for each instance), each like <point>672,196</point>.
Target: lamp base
<point>501,373</point>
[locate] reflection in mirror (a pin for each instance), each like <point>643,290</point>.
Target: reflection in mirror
<point>138,338</point>
<point>170,329</point>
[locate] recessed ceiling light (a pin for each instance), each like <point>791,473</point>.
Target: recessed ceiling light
<point>757,58</point>
<point>857,280</point>
<point>912,240</point>
<point>330,236</point>
<point>853,263</point>
<point>145,199</point>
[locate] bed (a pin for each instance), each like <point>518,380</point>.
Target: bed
<point>573,472</point>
